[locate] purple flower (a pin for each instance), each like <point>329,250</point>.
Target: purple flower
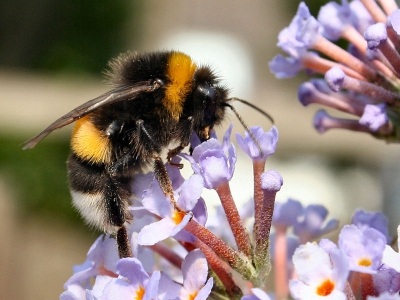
<point>335,19</point>
<point>172,219</point>
<point>195,140</point>
<point>101,260</point>
<point>213,161</point>
<point>288,39</point>
<point>285,67</point>
<point>310,32</point>
<point>386,279</point>
<point>377,220</point>
<point>311,225</point>
<point>266,140</point>
<point>133,282</point>
<point>319,274</point>
<point>195,284</point>
<point>375,35</point>
<point>195,273</point>
<point>374,116</point>
<point>334,78</point>
<point>286,214</point>
<point>364,249</point>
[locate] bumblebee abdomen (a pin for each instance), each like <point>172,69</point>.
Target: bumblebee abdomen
<point>89,143</point>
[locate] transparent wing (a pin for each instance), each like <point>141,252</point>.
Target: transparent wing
<point>124,93</point>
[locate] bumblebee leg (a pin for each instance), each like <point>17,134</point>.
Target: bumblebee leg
<point>165,182</point>
<point>185,132</point>
<point>174,152</point>
<point>123,245</point>
<point>141,129</point>
<point>125,162</point>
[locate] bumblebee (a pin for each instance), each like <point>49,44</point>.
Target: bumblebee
<point>158,98</point>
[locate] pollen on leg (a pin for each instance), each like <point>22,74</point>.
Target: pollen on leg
<point>325,288</point>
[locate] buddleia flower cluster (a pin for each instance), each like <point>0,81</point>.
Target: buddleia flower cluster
<point>362,80</point>
<point>181,253</point>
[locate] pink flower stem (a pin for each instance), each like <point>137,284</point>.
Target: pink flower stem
<point>239,232</point>
<point>322,65</point>
<point>371,90</point>
<point>353,36</point>
<point>375,11</point>
<point>340,55</point>
<point>219,268</point>
<point>233,257</point>
<point>391,54</point>
<point>258,169</point>
<point>388,6</point>
<point>327,122</point>
<point>168,254</point>
<point>367,285</point>
<point>262,238</point>
<point>280,265</point>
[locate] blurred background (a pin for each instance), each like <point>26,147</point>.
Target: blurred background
<point>52,54</point>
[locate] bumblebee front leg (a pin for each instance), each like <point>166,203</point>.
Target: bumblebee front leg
<point>159,168</point>
<point>185,132</point>
<point>163,179</point>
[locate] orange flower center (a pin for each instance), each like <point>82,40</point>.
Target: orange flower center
<point>178,216</point>
<point>365,262</point>
<point>139,294</point>
<point>325,288</point>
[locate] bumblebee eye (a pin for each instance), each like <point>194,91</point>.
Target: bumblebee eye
<point>209,96</point>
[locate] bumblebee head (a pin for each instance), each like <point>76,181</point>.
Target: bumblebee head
<point>208,102</point>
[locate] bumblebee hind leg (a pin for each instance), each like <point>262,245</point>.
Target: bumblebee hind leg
<point>101,199</point>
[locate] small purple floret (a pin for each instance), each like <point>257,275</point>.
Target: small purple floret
<point>334,78</point>
<point>271,181</point>
<point>266,140</point>
<point>377,220</point>
<point>334,19</point>
<point>285,67</point>
<point>311,227</point>
<point>364,249</point>
<point>305,93</point>
<point>319,119</point>
<point>286,214</point>
<point>375,35</point>
<point>374,116</point>
<point>213,161</point>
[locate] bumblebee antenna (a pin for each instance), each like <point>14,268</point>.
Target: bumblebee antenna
<point>268,116</point>
<point>244,123</point>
